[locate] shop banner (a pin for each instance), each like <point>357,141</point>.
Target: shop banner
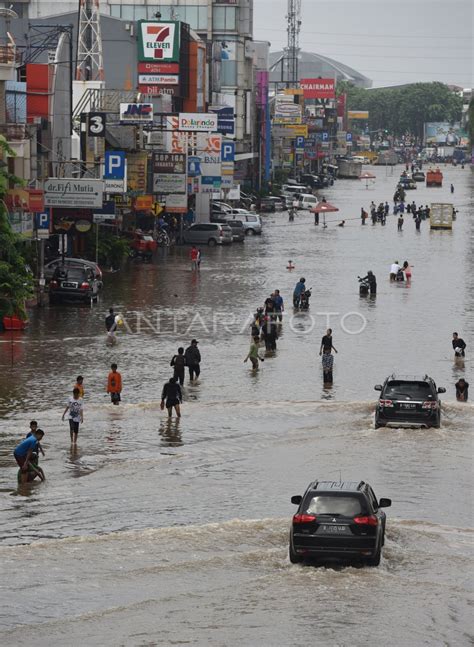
<point>169,173</point>
<point>318,88</point>
<point>158,41</point>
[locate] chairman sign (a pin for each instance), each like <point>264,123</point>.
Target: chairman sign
<point>318,88</point>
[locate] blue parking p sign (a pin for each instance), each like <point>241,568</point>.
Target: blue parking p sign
<point>228,151</point>
<point>114,167</point>
<point>42,220</point>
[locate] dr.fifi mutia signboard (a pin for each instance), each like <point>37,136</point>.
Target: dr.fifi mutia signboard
<point>73,193</point>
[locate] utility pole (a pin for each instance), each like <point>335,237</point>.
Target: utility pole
<point>293,47</point>
<point>90,60</point>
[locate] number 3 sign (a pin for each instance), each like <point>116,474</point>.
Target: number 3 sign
<point>96,124</point>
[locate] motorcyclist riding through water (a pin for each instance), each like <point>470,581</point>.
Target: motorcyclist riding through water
<point>368,283</point>
<point>300,287</point>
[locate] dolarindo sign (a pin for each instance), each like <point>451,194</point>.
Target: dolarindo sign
<point>158,41</point>
<point>198,122</point>
<point>318,88</point>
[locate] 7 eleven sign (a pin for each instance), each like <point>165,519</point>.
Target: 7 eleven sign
<point>158,41</point>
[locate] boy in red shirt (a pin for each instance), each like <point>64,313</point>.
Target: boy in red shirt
<point>194,256</point>
<point>114,384</point>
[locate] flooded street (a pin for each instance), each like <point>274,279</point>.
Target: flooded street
<point>158,533</point>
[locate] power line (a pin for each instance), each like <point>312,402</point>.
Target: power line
<point>357,35</point>
<point>339,54</point>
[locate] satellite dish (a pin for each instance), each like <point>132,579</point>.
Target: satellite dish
<point>8,13</point>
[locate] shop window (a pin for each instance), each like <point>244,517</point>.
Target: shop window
<point>202,20</point>
<point>224,18</point>
<point>191,16</point>
<point>229,73</point>
<point>127,12</point>
<point>140,13</point>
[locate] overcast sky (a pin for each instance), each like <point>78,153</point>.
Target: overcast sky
<point>390,41</point>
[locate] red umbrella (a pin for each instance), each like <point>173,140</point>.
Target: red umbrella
<point>324,208</point>
<point>367,175</point>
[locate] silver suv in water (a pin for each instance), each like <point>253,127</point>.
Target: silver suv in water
<point>251,221</point>
<point>208,233</point>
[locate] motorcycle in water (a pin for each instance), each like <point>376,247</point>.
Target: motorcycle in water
<point>364,287</point>
<point>304,299</point>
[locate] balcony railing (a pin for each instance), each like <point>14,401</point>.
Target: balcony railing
<point>8,55</point>
<point>14,132</point>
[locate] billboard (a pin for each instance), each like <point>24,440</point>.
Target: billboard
<point>169,173</point>
<point>358,114</point>
<point>137,167</point>
<point>209,147</point>
<point>73,193</point>
<point>158,41</point>
<point>318,88</point>
<point>158,68</point>
<point>444,133</point>
<point>225,119</point>
<point>197,122</point>
<point>287,112</point>
<point>158,79</point>
<point>136,113</point>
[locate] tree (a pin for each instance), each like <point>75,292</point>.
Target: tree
<point>16,283</point>
<point>404,110</point>
<point>471,123</point>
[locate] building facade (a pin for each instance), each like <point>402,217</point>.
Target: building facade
<point>225,26</point>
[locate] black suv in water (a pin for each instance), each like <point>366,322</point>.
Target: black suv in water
<point>341,520</point>
<point>73,283</point>
<point>408,401</point>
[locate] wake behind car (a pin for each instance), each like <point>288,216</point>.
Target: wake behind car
<point>338,520</point>
<point>73,284</point>
<point>408,401</point>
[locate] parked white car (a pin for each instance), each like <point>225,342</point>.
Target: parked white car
<point>250,220</point>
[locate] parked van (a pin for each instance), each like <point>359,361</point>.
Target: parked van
<point>291,189</point>
<point>307,201</point>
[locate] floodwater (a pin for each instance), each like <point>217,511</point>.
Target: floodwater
<point>157,533</point>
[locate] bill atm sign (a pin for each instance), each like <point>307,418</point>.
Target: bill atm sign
<point>158,41</point>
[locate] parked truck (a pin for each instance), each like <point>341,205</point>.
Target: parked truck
<point>441,215</point>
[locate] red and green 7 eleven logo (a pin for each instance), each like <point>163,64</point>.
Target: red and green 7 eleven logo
<point>159,41</point>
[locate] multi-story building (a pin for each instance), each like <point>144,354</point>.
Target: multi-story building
<point>225,26</point>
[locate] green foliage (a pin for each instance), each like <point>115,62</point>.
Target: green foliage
<point>471,122</point>
<point>403,110</point>
<point>112,249</point>
<point>16,281</point>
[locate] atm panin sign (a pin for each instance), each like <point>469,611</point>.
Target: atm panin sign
<point>198,122</point>
<point>158,41</point>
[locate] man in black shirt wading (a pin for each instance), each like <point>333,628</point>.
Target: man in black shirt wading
<point>171,396</point>
<point>193,359</point>
<point>326,342</point>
